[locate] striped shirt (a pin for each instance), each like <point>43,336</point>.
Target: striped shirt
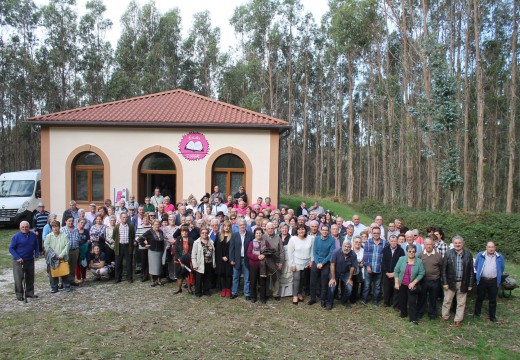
<point>73,237</point>
<point>373,255</point>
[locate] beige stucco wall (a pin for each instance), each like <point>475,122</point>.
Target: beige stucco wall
<point>122,145</point>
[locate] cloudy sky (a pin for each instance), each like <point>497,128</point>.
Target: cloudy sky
<point>221,12</point>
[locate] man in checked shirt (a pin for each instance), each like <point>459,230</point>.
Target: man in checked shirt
<point>373,259</point>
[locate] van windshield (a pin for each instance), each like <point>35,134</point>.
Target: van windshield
<point>16,188</point>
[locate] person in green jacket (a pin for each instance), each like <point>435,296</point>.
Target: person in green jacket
<point>59,242</point>
<point>408,273</point>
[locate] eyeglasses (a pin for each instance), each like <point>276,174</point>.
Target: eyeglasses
<point>411,251</point>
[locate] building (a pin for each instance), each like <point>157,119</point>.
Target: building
<point>182,142</point>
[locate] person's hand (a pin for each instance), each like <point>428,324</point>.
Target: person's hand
<point>319,266</point>
<point>469,289</point>
<point>350,282</point>
<point>261,257</point>
<point>182,265</point>
<point>390,275</point>
<point>332,283</point>
<point>19,261</point>
<point>369,269</point>
<point>445,287</point>
<point>309,265</point>
<point>225,259</point>
<point>59,257</point>
<point>36,232</point>
<point>396,286</point>
<point>411,286</point>
<point>232,262</point>
<point>293,268</point>
<point>280,266</point>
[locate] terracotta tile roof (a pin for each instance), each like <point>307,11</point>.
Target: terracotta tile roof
<point>175,107</point>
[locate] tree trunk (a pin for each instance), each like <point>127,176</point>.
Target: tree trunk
<point>350,158</point>
<point>480,111</point>
<point>511,138</point>
<point>466,192</point>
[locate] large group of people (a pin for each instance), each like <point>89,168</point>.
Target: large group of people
<point>223,243</point>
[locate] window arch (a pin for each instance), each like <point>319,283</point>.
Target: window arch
<point>157,169</point>
<point>88,178</point>
<point>229,172</point>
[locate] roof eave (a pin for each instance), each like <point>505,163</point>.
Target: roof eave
<point>161,125</point>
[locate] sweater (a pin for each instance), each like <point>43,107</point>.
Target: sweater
<point>323,249</point>
<point>24,246</point>
<point>432,265</point>
<point>417,269</point>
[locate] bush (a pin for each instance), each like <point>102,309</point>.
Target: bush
<point>476,229</point>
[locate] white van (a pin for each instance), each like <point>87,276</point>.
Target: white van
<point>20,193</point>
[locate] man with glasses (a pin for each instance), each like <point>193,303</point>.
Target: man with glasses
<point>410,240</point>
<point>373,260</point>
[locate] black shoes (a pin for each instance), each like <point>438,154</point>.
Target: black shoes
<point>234,296</point>
<point>248,298</point>
<point>32,296</point>
<point>277,298</point>
<point>311,302</point>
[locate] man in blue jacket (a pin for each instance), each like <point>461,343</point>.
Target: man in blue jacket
<point>489,266</point>
<point>23,249</point>
<point>324,246</point>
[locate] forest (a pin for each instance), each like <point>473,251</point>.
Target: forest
<point>404,102</point>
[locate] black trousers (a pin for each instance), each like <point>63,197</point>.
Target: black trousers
<point>389,292</point>
<point>428,295</point>
<point>357,287</point>
<point>489,287</point>
<point>255,281</point>
<point>143,258</point>
<point>23,272</point>
<point>320,275</point>
<point>203,282</point>
<point>225,281</point>
<point>126,255</point>
<point>407,303</point>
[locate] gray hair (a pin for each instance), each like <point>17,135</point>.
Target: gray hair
<point>51,217</point>
<point>409,232</point>
<point>457,237</point>
<point>215,221</point>
<point>314,222</point>
<point>269,224</point>
<point>408,247</point>
<point>242,221</point>
<point>81,211</point>
<point>392,237</point>
<point>112,217</point>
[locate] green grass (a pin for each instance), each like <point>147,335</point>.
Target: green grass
<point>346,212</point>
<point>134,321</point>
<point>6,261</point>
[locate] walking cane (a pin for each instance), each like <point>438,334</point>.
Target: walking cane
<point>24,283</point>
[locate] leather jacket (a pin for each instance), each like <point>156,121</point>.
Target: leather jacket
<point>449,270</point>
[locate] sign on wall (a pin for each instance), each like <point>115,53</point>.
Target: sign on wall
<point>120,194</point>
<point>194,146</point>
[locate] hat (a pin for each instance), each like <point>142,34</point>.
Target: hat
<point>40,204</point>
<point>205,196</point>
<point>94,205</point>
<point>220,213</point>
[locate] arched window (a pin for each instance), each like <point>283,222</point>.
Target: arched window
<point>157,169</point>
<point>87,175</point>
<point>228,173</point>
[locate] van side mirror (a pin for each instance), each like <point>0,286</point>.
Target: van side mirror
<point>38,194</point>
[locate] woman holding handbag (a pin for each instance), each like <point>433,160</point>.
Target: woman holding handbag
<point>183,248</point>
<point>408,273</point>
<point>57,246</point>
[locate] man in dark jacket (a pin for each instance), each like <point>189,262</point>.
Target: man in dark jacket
<point>457,279</point>
<point>124,238</point>
<point>238,258</point>
<point>391,255</point>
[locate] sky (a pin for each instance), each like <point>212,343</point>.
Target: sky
<point>221,12</point>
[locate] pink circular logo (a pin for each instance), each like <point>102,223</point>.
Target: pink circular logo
<point>194,146</point>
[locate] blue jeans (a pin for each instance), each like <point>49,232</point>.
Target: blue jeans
<point>347,290</point>
<point>236,278</point>
<point>369,279</point>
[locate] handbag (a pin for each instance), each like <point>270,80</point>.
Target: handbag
<point>62,269</point>
<point>416,290</point>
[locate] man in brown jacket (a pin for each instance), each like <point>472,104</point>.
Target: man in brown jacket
<point>276,243</point>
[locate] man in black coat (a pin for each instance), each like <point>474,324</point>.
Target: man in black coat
<point>457,277</point>
<point>391,255</point>
<point>238,258</point>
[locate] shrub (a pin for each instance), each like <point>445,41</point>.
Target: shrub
<point>476,229</point>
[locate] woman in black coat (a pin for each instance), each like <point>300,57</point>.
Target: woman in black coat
<point>183,246</point>
<point>224,269</point>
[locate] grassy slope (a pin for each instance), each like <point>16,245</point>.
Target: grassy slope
<point>132,321</point>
